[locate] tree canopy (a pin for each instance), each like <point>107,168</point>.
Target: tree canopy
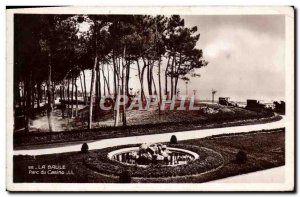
<point>52,51</point>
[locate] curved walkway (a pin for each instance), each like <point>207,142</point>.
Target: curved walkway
<point>273,175</point>
<point>165,137</point>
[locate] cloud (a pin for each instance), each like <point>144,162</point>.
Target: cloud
<point>217,47</point>
<point>245,54</point>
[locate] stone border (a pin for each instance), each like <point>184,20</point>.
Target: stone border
<point>124,150</point>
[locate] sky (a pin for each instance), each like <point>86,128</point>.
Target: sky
<point>246,55</point>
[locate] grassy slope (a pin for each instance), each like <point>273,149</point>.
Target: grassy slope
<point>170,121</point>
<point>264,150</point>
<point>138,117</point>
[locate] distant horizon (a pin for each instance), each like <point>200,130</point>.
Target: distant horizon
<point>264,98</point>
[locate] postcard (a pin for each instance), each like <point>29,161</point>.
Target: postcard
<point>150,99</point>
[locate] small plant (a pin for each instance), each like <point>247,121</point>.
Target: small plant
<point>84,148</point>
<point>173,139</point>
<point>125,177</point>
<point>241,157</point>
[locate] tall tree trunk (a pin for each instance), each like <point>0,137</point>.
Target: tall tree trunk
<point>19,91</point>
<point>166,77</point>
<point>64,92</point>
<point>104,88</point>
<point>118,109</point>
<point>81,85</point>
<point>32,99</point>
<point>176,82</point>
<point>105,82</point>
<point>149,79</point>
<point>76,97</point>
<point>72,98</point>
<point>115,72</point>
<point>159,86</point>
<point>61,93</point>
<point>63,100</point>
<point>23,94</point>
<point>17,96</point>
<point>172,77</point>
<point>115,83</point>
<point>49,94</point>
<point>118,93</point>
<point>141,78</point>
<point>124,106</point>
<point>172,87</point>
<point>98,92</point>
<point>97,83</point>
<point>124,93</point>
<point>123,87</point>
<point>99,86</point>
<point>68,104</point>
<point>68,95</point>
<point>27,90</point>
<point>127,79</point>
<point>177,73</point>
<point>108,81</point>
<point>38,94</point>
<point>92,94</point>
<point>154,86</point>
<point>53,95</point>
<point>119,70</point>
<point>85,95</point>
<point>45,94</point>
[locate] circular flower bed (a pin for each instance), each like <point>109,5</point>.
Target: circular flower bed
<point>155,153</point>
<point>208,160</point>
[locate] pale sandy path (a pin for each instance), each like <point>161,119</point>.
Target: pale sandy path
<point>165,137</point>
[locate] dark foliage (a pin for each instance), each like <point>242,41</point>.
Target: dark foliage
<point>279,107</point>
<point>125,177</point>
<point>84,148</point>
<point>241,157</point>
<point>173,139</point>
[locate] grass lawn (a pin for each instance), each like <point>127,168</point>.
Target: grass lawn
<point>135,117</point>
<point>264,149</point>
<point>148,122</point>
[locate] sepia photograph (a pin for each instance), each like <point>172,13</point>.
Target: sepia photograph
<point>171,99</point>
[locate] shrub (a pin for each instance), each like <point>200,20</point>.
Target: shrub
<point>173,139</point>
<point>84,148</point>
<point>125,177</point>
<point>241,157</point>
